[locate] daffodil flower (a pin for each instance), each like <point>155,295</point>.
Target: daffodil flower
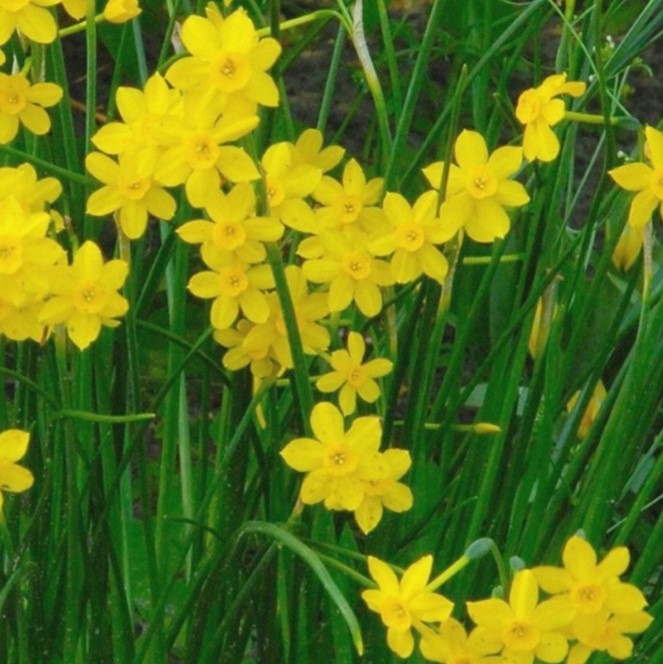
<point>525,627</point>
<point>336,462</point>
<point>589,587</point>
<point>30,17</point>
<point>26,254</point>
<point>121,11</point>
<point>353,273</point>
<point>130,190</point>
<point>387,492</point>
<point>352,201</point>
<point>309,309</point>
<point>479,188</point>
<point>308,150</point>
<point>607,633</point>
<point>353,377</point>
<point>85,296</point>
<point>405,603</point>
<point>142,112</point>
<point>539,110</point>
<point>287,185</point>
<point>413,233</point>
<point>450,644</point>
<point>20,320</point>
<point>227,56</point>
<point>644,179</point>
<point>197,153</point>
<point>233,285</point>
<point>234,228</point>
<point>14,478</point>
<point>24,103</point>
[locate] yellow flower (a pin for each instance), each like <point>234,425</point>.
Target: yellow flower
<point>130,190</point>
<point>143,112</point>
<point>234,228</point>
<point>539,110</point>
<point>588,587</point>
<point>405,604</point>
<point>237,357</point>
<point>607,633</point>
<point>451,645</point>
<point>121,11</point>
<point>14,478</point>
<point>525,627</point>
<point>628,247</point>
<point>21,103</point>
<point>84,295</point>
<point>414,232</point>
<point>233,285</point>
<point>308,151</point>
<point>351,270</point>
<point>336,462</point>
<point>353,201</point>
<point>196,151</point>
<point>646,180</point>
<point>287,184</point>
<point>26,254</point>
<point>228,56</point>
<point>19,321</point>
<point>31,17</point>
<point>387,492</point>
<point>592,410</point>
<point>309,309</point>
<point>351,376</point>
<point>479,188</point>
<point>31,193</point>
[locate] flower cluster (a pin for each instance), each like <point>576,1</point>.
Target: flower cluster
<point>346,470</point>
<point>38,289</point>
<point>589,610</point>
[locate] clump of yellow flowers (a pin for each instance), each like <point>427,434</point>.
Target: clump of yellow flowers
<point>589,610</point>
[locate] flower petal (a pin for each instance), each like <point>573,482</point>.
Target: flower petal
<point>642,206</point>
<point>13,444</point>
<point>470,150</point>
<point>416,577</point>
<point>383,575</point>
<point>327,423</point>
<point>303,454</point>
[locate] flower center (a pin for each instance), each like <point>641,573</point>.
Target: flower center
<point>11,254</point>
<point>358,266</point>
<point>89,299</point>
<point>201,151</point>
<point>357,376</point>
<point>12,102</point>
<point>348,209</point>
<point>521,636</point>
<point>275,192</point>
<point>230,71</point>
<point>481,183</point>
<point>395,614</point>
<point>588,598</point>
<point>228,235</point>
<point>233,281</point>
<point>341,460</point>
<point>136,190</point>
<point>529,106</point>
<point>408,236</point>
